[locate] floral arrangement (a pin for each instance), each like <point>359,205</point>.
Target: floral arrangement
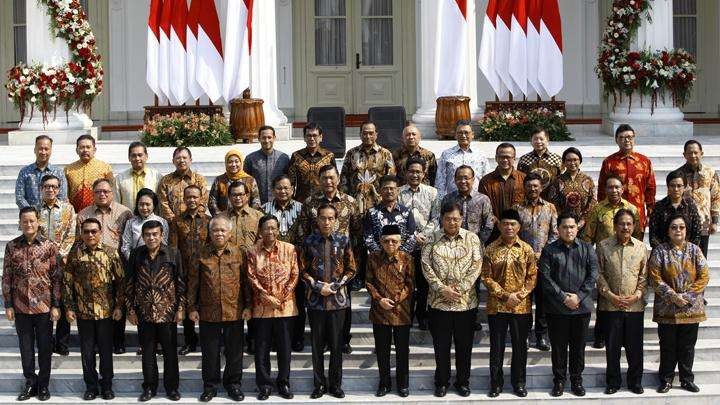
<point>516,125</point>
<point>179,129</point>
<point>650,73</point>
<point>74,84</point>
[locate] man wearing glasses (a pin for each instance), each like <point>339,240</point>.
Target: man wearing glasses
<point>305,164</point>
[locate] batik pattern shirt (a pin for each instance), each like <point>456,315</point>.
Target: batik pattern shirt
<point>172,188</point>
<point>32,277</point>
<point>244,226</point>
<point>288,218</point>
<point>27,186</point>
<point>93,282</point>
<point>575,195</point>
<point>452,261</point>
<point>379,216</point>
<point>219,199</point>
<point>680,272</point>
<point>401,156</point>
<point>129,182</point>
<point>155,288</point>
<point>424,205</point>
<point>80,178</point>
<point>509,269</point>
<point>304,171</point>
<point>477,213</point>
<point>392,278</point>
<point>548,165</point>
<point>348,218</point>
<point>132,235</point>
<point>58,224</point>
<point>361,173</point>
<point>703,185</point>
<point>453,158</point>
<point>538,223</point>
<point>623,272</point>
<point>599,224</point>
<point>327,260</point>
<point>188,234</point>
<point>264,168</point>
<point>659,221</point>
<point>112,219</point>
<point>273,273</point>
<point>636,172</point>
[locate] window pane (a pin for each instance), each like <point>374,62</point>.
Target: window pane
<point>376,7</point>
<point>377,41</point>
<point>20,44</point>
<point>684,7</point>
<point>329,8</point>
<point>685,34</point>
<point>19,11</point>
<point>330,42</point>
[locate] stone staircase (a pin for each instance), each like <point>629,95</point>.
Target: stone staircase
<point>360,367</point>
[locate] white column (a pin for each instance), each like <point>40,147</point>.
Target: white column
<point>658,33</point>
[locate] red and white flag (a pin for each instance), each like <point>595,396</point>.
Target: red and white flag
<point>238,40</point>
<point>550,70</point>
<point>486,57</point>
<point>164,54</point>
<point>518,47</point>
<point>209,60</point>
<point>503,22</point>
<point>451,48</point>
<point>178,56</point>
<point>191,48</point>
<point>534,10</point>
<point>153,48</point>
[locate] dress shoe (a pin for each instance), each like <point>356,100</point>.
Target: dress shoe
<point>43,394</point>
<point>337,392</point>
<point>637,389</point>
<point>146,395</point>
<point>440,391</point>
<point>173,395</point>
<point>557,390</point>
<point>520,391</point>
<point>108,395</point>
<point>285,392</point>
<point>403,392</point>
<point>298,346</point>
<point>382,391</point>
<point>89,395</point>
<point>610,390</point>
<point>598,344</point>
<point>263,395</point>
<point>423,324</point>
<point>346,348</point>
<point>185,349</point>
<point>61,351</point>
<point>119,350</point>
<point>138,352</point>
<point>664,388</point>
<point>478,326</point>
<point>578,390</point>
<point>318,392</point>
<point>542,344</point>
<point>28,392</point>
<point>236,394</point>
<point>494,392</point>
<point>463,390</point>
<point>207,395</point>
<point>689,386</point>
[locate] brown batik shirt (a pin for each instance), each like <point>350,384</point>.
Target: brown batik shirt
<point>32,278</point>
<point>390,277</point>
<point>155,288</point>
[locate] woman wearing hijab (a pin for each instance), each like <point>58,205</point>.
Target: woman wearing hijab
<point>233,172</point>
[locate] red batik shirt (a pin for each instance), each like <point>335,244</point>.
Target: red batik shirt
<point>636,172</point>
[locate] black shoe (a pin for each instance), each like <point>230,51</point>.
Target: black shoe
<point>90,395</point>
<point>337,392</point>
<point>119,350</point>
<point>557,390</point>
<point>173,395</point>
<point>207,395</point>
<point>598,344</point>
<point>356,284</point>
<point>423,324</point>
<point>318,392</point>
<point>250,349</point>
<point>610,390</point>
<point>478,326</point>
<point>108,395</point>
<point>520,391</point>
<point>43,394</point>
<point>689,386</point>
<point>440,391</point>
<point>463,390</point>
<point>664,387</point>
<point>139,351</point>
<point>298,346</point>
<point>185,349</point>
<point>61,351</point>
<point>637,389</point>
<point>542,344</point>
<point>494,392</point>
<point>346,348</point>
<point>236,394</point>
<point>403,392</point>
<point>578,390</point>
<point>28,392</point>
<point>284,391</point>
<point>382,391</point>
<point>146,395</point>
<point>263,395</point>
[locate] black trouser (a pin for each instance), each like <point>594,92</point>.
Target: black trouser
<point>298,325</point>
<point>150,335</point>
<point>418,305</point>
<point>249,338</point>
<point>519,325</point>
<point>677,346</point>
<point>326,328</point>
<point>267,331</point>
<point>231,335</point>
<point>447,327</point>
<point>540,321</point>
<point>623,329</point>
<point>384,335</point>
<point>32,329</point>
<point>568,331</point>
<point>704,241</point>
<point>119,333</point>
<point>190,337</point>
<point>96,333</point>
<point>62,332</point>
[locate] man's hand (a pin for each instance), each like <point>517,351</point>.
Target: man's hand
<point>117,314</point>
<point>420,239</point>
<point>132,318</point>
<point>274,302</point>
<point>54,314</point>
<point>246,314</point>
<point>179,316</point>
<point>10,314</point>
<point>572,301</point>
<point>679,300</point>
<point>713,229</point>
<point>537,255</point>
<point>70,316</point>
<point>387,303</point>
<point>617,301</point>
<point>513,300</point>
<point>581,224</point>
<point>194,316</point>
<point>325,290</point>
<point>450,293</point>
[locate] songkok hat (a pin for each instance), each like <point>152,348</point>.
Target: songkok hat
<point>510,214</point>
<point>390,230</point>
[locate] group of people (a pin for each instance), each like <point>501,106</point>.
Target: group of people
<point>276,239</point>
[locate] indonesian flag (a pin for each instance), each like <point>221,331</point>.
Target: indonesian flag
<point>153,48</point>
<point>518,47</point>
<point>451,48</point>
<point>550,70</point>
<point>238,38</point>
<point>164,54</point>
<point>191,48</point>
<point>178,56</point>
<point>486,58</point>
<point>534,10</point>
<point>502,44</point>
<point>209,59</point>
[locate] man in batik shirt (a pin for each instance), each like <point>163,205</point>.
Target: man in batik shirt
<point>675,203</point>
<point>477,210</point>
<point>411,149</point>
<point>461,154</point>
<point>27,186</point>
<point>305,164</point>
<point>243,218</point>
<point>172,186</point>
<point>267,163</point>
<point>82,173</point>
<point>504,185</point>
<point>540,160</point>
<point>388,212</point>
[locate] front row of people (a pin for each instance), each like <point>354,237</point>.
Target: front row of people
<point>230,285</point>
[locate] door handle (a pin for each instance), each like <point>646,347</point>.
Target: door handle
<point>357,61</point>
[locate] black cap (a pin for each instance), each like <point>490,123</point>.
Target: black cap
<point>510,214</point>
<point>390,230</point>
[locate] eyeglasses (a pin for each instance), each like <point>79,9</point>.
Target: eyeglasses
<point>677,227</point>
<point>626,137</point>
<point>103,191</point>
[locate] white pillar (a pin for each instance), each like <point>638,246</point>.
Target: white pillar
<point>42,47</point>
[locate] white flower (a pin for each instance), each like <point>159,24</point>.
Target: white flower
<point>34,89</point>
<point>33,99</point>
<point>49,91</point>
<point>654,84</point>
<point>26,71</point>
<point>53,98</point>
